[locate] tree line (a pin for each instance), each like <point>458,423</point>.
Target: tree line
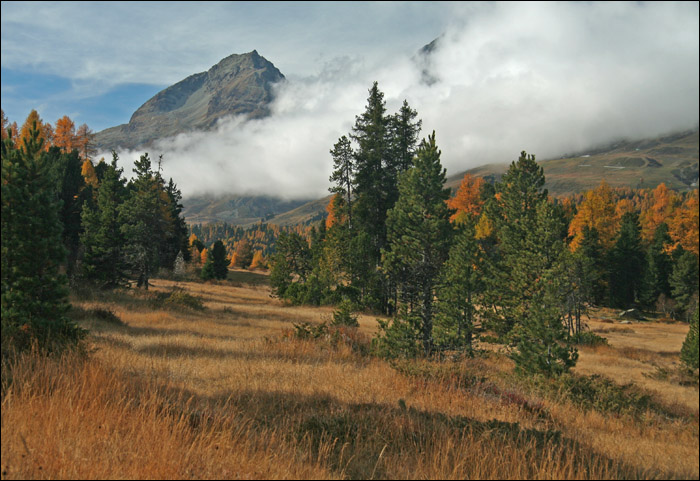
<point>503,262</point>
<point>66,220</point>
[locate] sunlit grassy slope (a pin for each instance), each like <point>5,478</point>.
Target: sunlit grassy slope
<point>671,159</point>
<point>229,391</point>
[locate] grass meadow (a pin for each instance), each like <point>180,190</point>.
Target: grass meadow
<point>209,380</point>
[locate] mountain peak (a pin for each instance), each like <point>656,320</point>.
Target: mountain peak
<point>240,84</point>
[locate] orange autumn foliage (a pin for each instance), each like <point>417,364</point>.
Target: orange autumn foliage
<point>683,226</point>
<point>64,136</point>
<point>467,201</point>
<point>659,209</point>
<point>45,130</point>
<point>335,211</point>
<point>598,210</point>
<point>89,174</point>
<point>258,261</point>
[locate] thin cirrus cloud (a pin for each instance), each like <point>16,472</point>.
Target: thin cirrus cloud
<point>548,78</point>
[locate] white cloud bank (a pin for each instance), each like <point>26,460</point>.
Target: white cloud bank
<point>548,78</point>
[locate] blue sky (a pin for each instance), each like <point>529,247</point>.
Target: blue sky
<point>545,77</point>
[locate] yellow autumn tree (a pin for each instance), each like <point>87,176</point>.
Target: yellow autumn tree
<point>335,211</point>
<point>467,201</point>
<point>683,226</point>
<point>623,207</point>
<point>64,135</point>
<point>89,174</point>
<point>203,256</point>
<point>658,209</point>
<point>44,131</point>
<point>258,261</point>
<point>596,211</point>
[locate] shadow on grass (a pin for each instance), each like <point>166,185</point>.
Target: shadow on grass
<point>369,440</point>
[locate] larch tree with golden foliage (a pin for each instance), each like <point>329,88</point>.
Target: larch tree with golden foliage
<point>467,202</point>
<point>64,135</point>
<point>683,226</point>
<point>597,211</point>
<point>661,204</point>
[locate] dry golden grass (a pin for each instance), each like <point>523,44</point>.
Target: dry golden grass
<point>228,392</point>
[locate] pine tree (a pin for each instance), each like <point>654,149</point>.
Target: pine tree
<point>145,221</point>
<point>102,238</point>
<point>593,257</point>
<point>684,283</point>
<point>71,187</point>
<point>343,174</point>
<point>208,272</point>
<point>541,338</point>
<point>419,234</point>
<point>370,132</point>
<point>461,285</point>
<point>689,351</point>
<point>292,258</point>
<point>219,260</point>
<point>626,261</point>
<point>34,293</point>
<point>517,261</point>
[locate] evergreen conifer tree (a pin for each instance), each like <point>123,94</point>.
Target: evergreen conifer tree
<point>102,237</point>
<point>516,262</point>
<point>219,260</point>
<point>684,283</point>
<point>626,261</point>
<point>145,220</point>
<point>461,284</point>
<point>689,351</point>
<point>420,234</point>
<point>34,293</point>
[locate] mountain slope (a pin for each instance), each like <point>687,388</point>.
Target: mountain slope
<point>671,159</point>
<point>238,84</point>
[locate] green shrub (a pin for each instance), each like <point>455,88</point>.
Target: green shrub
<point>343,315</point>
<point>178,298</point>
<point>588,338</point>
<point>306,330</point>
<point>689,351</point>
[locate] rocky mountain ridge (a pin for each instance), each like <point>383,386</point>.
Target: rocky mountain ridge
<point>238,84</point>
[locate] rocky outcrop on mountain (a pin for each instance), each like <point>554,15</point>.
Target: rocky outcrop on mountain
<point>238,84</point>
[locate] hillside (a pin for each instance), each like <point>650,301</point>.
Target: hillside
<point>671,159</point>
<point>238,209</point>
<point>238,84</point>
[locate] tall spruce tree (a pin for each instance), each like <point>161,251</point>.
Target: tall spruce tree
<point>34,293</point>
<point>420,234</point>
<point>219,260</point>
<point>461,285</point>
<point>593,257</point>
<point>343,174</point>
<point>542,342</point>
<point>73,194</point>
<point>145,221</point>
<point>515,265</point>
<point>102,237</point>
<point>684,283</point>
<point>626,261</point>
